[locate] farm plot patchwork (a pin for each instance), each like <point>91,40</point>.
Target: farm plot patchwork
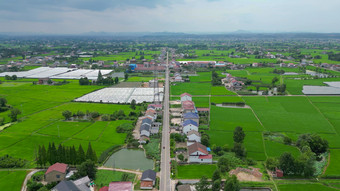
<point>303,187</point>
<point>225,99</point>
<point>289,114</point>
<point>201,101</point>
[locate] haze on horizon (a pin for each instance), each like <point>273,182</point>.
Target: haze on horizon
<point>201,16</point>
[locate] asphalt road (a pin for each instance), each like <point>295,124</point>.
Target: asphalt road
<point>165,184</point>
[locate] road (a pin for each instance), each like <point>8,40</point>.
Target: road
<point>28,177</point>
<point>165,155</point>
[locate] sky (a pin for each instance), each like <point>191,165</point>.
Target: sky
<point>188,16</point>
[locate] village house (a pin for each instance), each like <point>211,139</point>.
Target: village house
<point>192,137</point>
<point>145,130</point>
<point>189,125</point>
<point>198,153</point>
<point>186,97</point>
<point>188,106</point>
<point>56,172</point>
<point>148,179</point>
<point>192,116</point>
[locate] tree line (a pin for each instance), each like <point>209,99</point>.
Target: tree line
<point>64,154</point>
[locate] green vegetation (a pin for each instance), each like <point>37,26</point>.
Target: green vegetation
<point>12,180</point>
<point>195,171</point>
<point>104,177</point>
<point>191,88</point>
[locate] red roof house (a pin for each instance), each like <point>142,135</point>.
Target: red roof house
<point>56,172</point>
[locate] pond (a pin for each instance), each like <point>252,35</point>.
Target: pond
<point>129,159</point>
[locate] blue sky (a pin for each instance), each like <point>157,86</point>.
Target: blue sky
<point>201,16</point>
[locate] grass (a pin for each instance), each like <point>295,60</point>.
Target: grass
<point>104,177</point>
<point>334,166</point>
<point>226,119</point>
<point>221,90</point>
<point>191,88</point>
<point>303,187</point>
<point>12,180</point>
<point>275,149</point>
<point>225,99</point>
<point>201,77</point>
<point>195,171</point>
<point>201,101</point>
<point>303,116</point>
<point>139,79</point>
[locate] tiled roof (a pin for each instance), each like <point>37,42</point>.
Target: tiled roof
<point>197,147</point>
<point>188,122</point>
<point>203,109</point>
<point>149,174</point>
<point>60,167</point>
<point>190,115</point>
<point>205,157</point>
<point>120,186</point>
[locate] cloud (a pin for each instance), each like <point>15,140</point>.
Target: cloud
<point>77,16</point>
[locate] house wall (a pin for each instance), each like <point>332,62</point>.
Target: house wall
<point>52,176</point>
<point>194,137</point>
<point>196,159</point>
<point>188,128</point>
<point>186,98</point>
<point>189,110</point>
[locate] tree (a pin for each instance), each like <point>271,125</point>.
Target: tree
<point>205,140</point>
<point>271,163</point>
<point>314,141</point>
<point>99,78</point>
<point>238,135</point>
<point>287,163</point>
<point>14,112</point>
<point>216,185</point>
<point>232,184</point>
<point>274,80</point>
<point>133,104</point>
<point>203,184</point>
<point>126,76</point>
<point>181,157</point>
<point>14,77</point>
<point>3,102</point>
<point>91,154</point>
<point>216,175</point>
<point>223,164</point>
<point>116,80</point>
<point>87,168</point>
<point>67,114</point>
<point>80,155</point>
<point>2,120</point>
<point>239,150</point>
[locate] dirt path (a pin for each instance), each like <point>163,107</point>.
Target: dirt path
<point>28,176</point>
<point>121,170</point>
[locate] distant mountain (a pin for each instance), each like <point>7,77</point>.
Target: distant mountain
<point>241,32</point>
<point>133,34</point>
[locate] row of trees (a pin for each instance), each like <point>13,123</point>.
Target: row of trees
<point>216,80</point>
<point>64,154</point>
<point>14,77</point>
